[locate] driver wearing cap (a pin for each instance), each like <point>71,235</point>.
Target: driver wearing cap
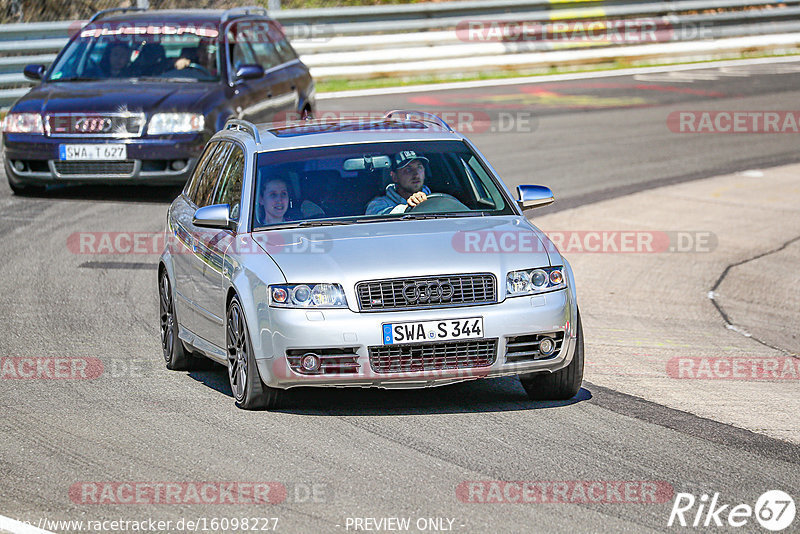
<point>408,187</point>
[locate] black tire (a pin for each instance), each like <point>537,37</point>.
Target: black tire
<point>248,390</point>
<point>176,356</point>
<point>561,385</point>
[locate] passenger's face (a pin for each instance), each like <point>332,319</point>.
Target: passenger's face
<point>275,201</point>
<point>410,178</point>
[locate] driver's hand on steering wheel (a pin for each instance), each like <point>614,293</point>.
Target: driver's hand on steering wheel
<point>417,198</point>
<point>182,63</point>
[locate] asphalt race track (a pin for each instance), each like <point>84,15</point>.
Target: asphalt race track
<point>337,460</point>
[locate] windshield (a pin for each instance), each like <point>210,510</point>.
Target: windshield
<point>163,52</point>
<point>366,182</point>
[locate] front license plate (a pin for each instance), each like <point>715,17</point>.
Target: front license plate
<point>421,331</point>
<point>100,152</point>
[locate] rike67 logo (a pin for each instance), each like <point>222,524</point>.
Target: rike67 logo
<point>774,510</point>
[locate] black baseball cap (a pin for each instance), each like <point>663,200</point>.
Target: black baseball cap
<point>401,159</point>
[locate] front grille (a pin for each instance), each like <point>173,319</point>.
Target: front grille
<point>526,348</point>
<point>94,168</point>
<point>433,356</point>
<point>122,124</point>
<point>332,360</point>
<point>426,292</point>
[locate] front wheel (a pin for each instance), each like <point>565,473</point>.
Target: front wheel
<point>564,383</point>
<point>248,390</point>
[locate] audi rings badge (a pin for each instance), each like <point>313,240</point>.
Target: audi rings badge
<point>428,292</point>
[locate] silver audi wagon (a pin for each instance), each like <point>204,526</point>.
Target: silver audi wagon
<point>383,252</point>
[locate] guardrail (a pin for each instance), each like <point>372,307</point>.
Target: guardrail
<point>398,40</point>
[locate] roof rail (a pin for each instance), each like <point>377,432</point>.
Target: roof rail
<point>234,12</point>
<point>244,126</point>
<point>104,12</point>
<point>430,117</point>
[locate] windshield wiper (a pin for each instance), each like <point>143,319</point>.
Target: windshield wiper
<point>300,224</point>
<point>309,224</point>
<point>75,79</point>
<point>420,216</point>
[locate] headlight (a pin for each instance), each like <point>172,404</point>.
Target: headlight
<point>171,123</point>
<point>307,296</point>
<point>24,123</point>
<point>532,281</point>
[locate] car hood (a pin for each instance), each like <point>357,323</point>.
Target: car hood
<point>369,251</point>
<point>113,96</point>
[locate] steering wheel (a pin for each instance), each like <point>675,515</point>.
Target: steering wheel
<point>438,202</point>
<point>194,66</point>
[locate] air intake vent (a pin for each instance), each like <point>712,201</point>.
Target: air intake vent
<point>433,356</point>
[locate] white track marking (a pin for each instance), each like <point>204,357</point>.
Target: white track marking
<point>561,77</point>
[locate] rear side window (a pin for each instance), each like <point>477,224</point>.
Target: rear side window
<point>191,186</point>
<point>229,190</point>
<point>208,179</point>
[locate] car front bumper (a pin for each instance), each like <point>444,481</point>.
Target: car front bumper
<point>312,331</point>
<point>163,160</point>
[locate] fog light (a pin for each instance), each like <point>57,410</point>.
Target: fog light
<point>19,166</point>
<point>178,164</point>
<point>310,362</point>
<point>547,346</point>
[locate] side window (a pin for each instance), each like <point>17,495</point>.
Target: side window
<point>229,190</point>
<point>261,40</point>
<point>208,181</point>
<point>191,186</point>
<point>282,46</point>
<point>241,49</point>
<point>488,195</point>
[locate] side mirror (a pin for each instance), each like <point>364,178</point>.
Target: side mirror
<point>217,216</point>
<point>534,196</point>
<point>33,72</point>
<point>249,72</point>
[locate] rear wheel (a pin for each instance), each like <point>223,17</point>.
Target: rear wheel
<point>248,390</point>
<point>176,356</point>
<point>561,385</point>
